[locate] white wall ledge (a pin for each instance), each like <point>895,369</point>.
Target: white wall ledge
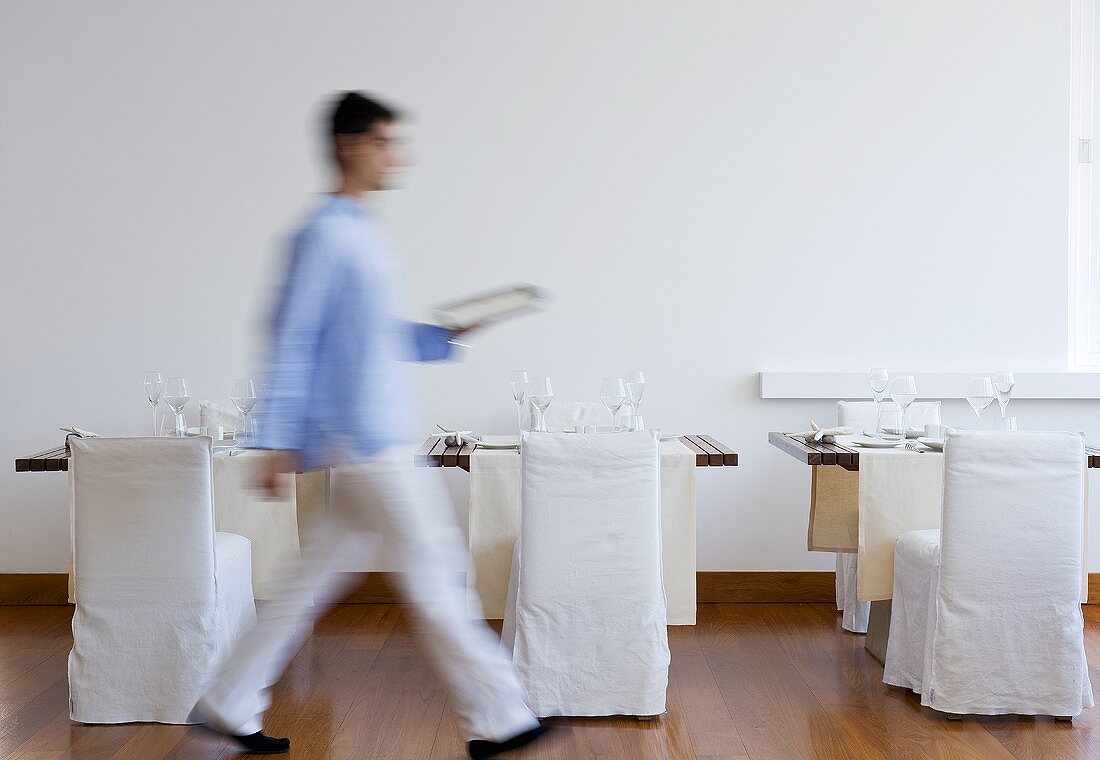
<point>930,385</point>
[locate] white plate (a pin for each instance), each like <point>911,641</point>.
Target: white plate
<point>910,433</point>
<point>875,443</point>
<point>932,443</point>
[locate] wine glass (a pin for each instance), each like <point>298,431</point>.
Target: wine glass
<point>244,397</point>
<point>154,384</point>
<point>879,382</point>
<point>1003,383</point>
<point>613,396</point>
<point>635,387</point>
<point>980,394</point>
<point>176,396</point>
<point>519,389</point>
<point>903,392</point>
<point>541,393</point>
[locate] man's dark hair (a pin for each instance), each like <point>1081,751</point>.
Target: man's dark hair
<point>355,113</point>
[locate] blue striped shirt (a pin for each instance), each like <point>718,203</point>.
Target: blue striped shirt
<point>335,388</point>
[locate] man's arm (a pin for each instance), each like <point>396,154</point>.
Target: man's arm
<point>302,311</point>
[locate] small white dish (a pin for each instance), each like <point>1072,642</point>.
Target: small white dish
<point>875,443</point>
<point>936,444</point>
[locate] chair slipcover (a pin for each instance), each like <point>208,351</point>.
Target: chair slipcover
<point>1002,631</point>
<point>860,415</point>
<point>568,414</point>
<point>159,595</point>
<point>586,616</point>
<point>219,413</point>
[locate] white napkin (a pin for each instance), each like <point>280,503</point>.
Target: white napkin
<point>822,435</point>
<point>79,433</point>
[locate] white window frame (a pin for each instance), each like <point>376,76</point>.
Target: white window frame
<point>1084,204</point>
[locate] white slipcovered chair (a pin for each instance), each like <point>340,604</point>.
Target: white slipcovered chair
<point>860,415</point>
<point>986,616</point>
<point>570,414</point>
<point>160,596</point>
<point>586,615</point>
<point>219,414</point>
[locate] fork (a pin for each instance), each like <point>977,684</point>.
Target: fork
<point>915,447</point>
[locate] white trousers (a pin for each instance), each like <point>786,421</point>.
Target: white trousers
<point>413,518</point>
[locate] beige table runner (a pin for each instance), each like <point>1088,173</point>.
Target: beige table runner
<point>864,512</point>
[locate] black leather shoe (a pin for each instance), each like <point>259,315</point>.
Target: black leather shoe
<point>260,743</point>
<point>480,749</point>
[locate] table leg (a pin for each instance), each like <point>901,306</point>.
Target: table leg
<point>878,630</point>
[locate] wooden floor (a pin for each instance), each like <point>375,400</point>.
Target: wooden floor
<point>755,681</point>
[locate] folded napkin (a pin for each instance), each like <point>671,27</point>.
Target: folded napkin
<point>79,433</point>
<point>822,435</point>
<point>458,437</point>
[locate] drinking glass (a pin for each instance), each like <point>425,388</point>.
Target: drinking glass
<point>903,392</point>
<point>980,394</point>
<point>154,384</point>
<point>176,396</point>
<point>879,382</point>
<point>1003,383</point>
<point>613,396</point>
<point>244,397</point>
<point>635,387</point>
<point>541,393</point>
<point>519,390</point>
<point>892,424</point>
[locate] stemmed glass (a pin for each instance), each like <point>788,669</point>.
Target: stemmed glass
<point>613,396</point>
<point>879,382</point>
<point>154,384</point>
<point>1003,383</point>
<point>541,393</point>
<point>176,396</point>
<point>980,394</point>
<point>244,398</point>
<point>635,387</point>
<point>903,392</point>
<point>519,389</point>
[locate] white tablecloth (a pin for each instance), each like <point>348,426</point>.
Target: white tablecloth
<point>899,491</point>
<point>494,525</point>
<point>270,524</point>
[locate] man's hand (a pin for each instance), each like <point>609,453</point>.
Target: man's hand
<point>278,462</point>
<point>460,331</point>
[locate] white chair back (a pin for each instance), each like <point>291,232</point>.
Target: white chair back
<point>219,414</point>
<point>146,624</point>
<point>861,414</point>
<point>1009,632</point>
<point>589,614</point>
<point>570,414</point>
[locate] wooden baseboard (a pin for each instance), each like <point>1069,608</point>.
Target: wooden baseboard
<point>33,588</point>
<point>379,588</point>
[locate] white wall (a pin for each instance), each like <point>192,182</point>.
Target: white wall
<point>689,180</point>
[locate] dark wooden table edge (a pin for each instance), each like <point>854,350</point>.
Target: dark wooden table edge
<point>848,458</point>
<point>435,453</point>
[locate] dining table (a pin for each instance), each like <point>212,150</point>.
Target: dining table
<point>840,520</point>
<point>493,515</point>
<point>494,510</point>
<point>272,525</point>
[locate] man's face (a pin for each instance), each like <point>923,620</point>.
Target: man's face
<point>373,159</point>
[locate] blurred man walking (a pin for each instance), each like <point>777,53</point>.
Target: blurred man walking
<point>336,398</point>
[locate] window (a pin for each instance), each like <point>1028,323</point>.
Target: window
<point>1084,210</point>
